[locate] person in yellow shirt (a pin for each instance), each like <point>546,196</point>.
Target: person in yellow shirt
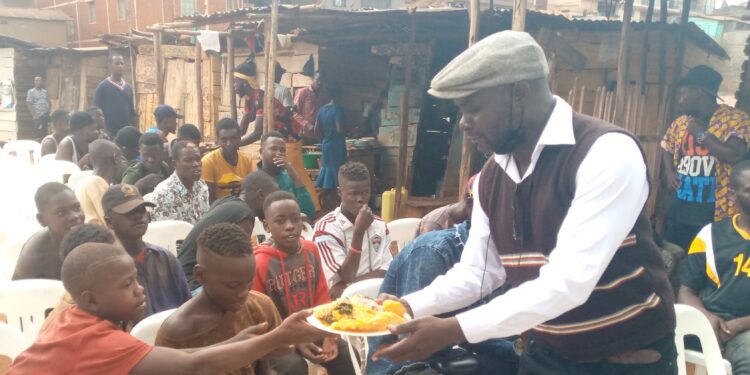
<point>226,167</point>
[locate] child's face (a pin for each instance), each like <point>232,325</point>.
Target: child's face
<point>116,296</point>
<point>284,222</point>
<point>354,195</point>
<point>152,157</point>
<point>226,280</point>
<point>62,213</point>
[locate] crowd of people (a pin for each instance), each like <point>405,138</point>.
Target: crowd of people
<point>548,264</point>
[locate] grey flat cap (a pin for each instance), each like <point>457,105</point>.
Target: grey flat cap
<point>501,58</point>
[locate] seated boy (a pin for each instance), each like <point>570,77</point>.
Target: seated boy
<point>127,140</point>
<point>716,277</point>
<point>354,244</point>
<point>158,269</point>
<point>84,233</point>
<point>86,338</point>
<point>286,253</point>
<point>189,132</point>
<point>152,169</point>
<point>59,211</point>
<point>183,195</point>
<point>224,307</point>
<point>273,161</point>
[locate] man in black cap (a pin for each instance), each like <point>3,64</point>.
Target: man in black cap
<point>159,271</point>
<point>166,121</point>
<point>700,148</point>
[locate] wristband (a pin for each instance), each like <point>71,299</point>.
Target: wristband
<point>355,251</point>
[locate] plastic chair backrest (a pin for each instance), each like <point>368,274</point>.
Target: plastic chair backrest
<point>9,254</point>
<point>167,234</point>
<point>368,288</point>
<point>12,343</point>
<point>25,303</point>
<point>147,329</point>
<point>57,170</point>
<point>258,230</point>
<point>402,231</point>
<point>75,178</point>
<point>26,151</point>
<point>690,321</point>
<point>307,231</point>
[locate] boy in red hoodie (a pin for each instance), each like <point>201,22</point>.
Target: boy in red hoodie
<point>289,271</point>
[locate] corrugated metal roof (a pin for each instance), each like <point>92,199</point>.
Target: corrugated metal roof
<point>34,14</point>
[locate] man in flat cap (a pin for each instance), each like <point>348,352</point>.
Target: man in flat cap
<point>699,150</point>
<point>559,216</point>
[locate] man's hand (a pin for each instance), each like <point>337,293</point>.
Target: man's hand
<point>696,126</point>
<point>718,326</point>
<point>253,331</point>
<point>426,336</point>
<point>390,297</point>
<point>364,219</point>
<point>311,352</point>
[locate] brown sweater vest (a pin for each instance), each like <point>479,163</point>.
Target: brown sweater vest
<point>632,304</point>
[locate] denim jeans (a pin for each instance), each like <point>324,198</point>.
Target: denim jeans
<point>737,352</point>
<point>414,268</point>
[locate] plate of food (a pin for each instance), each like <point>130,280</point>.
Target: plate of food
<point>358,316</point>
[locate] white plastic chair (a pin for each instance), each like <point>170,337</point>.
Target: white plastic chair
<point>77,177</point>
<point>26,151</point>
<point>12,343</point>
<point>368,288</point>
<point>57,170</point>
<point>690,321</point>
<point>258,230</point>
<point>9,254</point>
<point>402,231</point>
<point>307,231</point>
<point>25,303</point>
<point>147,329</point>
<point>167,233</point>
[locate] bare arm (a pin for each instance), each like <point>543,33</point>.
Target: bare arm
<point>669,177</point>
<point>256,133</point>
<point>247,118</point>
<point>48,147</point>
<point>65,151</point>
<point>731,151</point>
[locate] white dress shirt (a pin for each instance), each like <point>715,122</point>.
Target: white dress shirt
<point>611,189</point>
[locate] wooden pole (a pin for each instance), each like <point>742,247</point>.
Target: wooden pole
<point>230,72</point>
<point>679,56</point>
<point>662,64</point>
<point>519,15</point>
<point>134,84</point>
<point>622,63</point>
<point>403,145</point>
<point>270,67</point>
<point>466,146</point>
<point>199,85</point>
<point>157,67</point>
<point>646,44</point>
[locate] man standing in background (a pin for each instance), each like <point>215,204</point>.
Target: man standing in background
<point>114,97</point>
<point>307,102</point>
<point>37,101</point>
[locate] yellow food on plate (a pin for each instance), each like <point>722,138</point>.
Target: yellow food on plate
<point>360,314</point>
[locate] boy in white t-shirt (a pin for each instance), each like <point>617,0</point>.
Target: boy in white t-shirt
<point>353,243</point>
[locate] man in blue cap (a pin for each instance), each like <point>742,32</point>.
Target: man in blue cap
<point>166,121</point>
<point>700,148</point>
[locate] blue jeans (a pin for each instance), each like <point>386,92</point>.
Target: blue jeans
<point>737,352</point>
<point>414,268</point>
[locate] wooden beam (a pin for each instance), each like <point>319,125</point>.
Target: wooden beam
<point>519,15</point>
<point>646,44</point>
<point>679,57</point>
<point>230,73</point>
<point>270,67</point>
<point>134,84</point>
<point>199,85</point>
<point>403,145</point>
<point>466,146</point>
<point>622,63</point>
<point>157,67</point>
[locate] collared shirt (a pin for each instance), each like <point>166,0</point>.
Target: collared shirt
<point>333,235</point>
<point>175,202</point>
<point>161,276</point>
<point>696,167</point>
<point>39,100</point>
<point>611,189</point>
<point>308,103</point>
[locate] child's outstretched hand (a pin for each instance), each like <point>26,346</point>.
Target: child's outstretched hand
<point>295,329</point>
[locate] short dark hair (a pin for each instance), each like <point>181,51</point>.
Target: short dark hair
<point>271,134</point>
<point>189,131</point>
<point>128,136</point>
<point>92,109</point>
<point>227,124</point>
<point>737,169</point>
<point>113,57</point>
<point>225,239</point>
<point>150,139</point>
<point>354,171</point>
<point>85,233</point>
<point>45,192</point>
<point>80,120</point>
<point>257,179</point>
<point>59,115</point>
<point>277,196</point>
<point>180,145</point>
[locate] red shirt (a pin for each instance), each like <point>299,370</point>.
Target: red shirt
<point>308,103</point>
<point>80,343</point>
